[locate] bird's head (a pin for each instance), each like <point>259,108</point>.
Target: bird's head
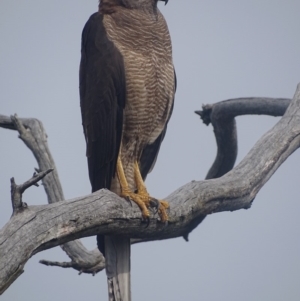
<point>108,5</point>
<point>142,3</point>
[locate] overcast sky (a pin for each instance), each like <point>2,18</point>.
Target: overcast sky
<point>222,49</point>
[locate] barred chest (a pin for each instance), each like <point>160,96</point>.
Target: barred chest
<point>143,40</point>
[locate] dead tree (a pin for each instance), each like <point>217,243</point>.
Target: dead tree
<point>64,222</point>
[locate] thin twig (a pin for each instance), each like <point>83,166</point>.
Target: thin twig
<point>18,190</point>
<point>71,264</point>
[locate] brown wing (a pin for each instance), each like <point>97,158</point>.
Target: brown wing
<point>150,152</point>
<point>102,100</point>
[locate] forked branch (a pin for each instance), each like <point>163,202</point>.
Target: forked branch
<point>32,133</point>
<point>43,227</point>
<point>222,117</point>
<point>18,190</point>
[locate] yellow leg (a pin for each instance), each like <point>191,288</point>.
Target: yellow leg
<point>144,195</point>
<point>127,193</point>
<point>140,185</point>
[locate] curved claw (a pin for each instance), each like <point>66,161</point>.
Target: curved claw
<point>147,220</point>
<point>154,203</point>
<point>128,199</point>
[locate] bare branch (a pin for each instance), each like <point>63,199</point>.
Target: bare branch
<point>58,264</point>
<point>222,117</point>
<point>43,227</point>
<point>18,190</point>
<point>70,264</point>
<point>32,132</point>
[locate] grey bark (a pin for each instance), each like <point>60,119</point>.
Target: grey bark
<point>18,190</point>
<point>44,227</point>
<point>32,133</point>
<point>222,117</point>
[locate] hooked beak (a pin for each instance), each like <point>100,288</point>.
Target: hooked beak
<point>166,1</point>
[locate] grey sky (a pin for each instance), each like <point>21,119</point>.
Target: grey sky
<point>222,49</point>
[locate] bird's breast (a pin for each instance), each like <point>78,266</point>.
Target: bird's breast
<point>145,45</point>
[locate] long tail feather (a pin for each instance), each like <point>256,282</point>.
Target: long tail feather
<point>117,257</point>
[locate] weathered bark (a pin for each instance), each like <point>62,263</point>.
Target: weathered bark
<point>18,190</point>
<point>32,132</point>
<point>43,227</point>
<point>222,117</point>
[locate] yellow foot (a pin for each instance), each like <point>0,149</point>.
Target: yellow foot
<point>151,202</point>
<point>162,211</point>
<point>145,201</point>
<point>142,197</point>
<point>127,194</point>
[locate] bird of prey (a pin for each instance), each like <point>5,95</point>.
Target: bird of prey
<point>127,87</point>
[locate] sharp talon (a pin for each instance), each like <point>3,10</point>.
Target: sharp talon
<point>154,203</point>
<point>127,198</point>
<point>147,220</point>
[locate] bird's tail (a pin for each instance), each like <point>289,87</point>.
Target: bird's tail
<point>117,258</point>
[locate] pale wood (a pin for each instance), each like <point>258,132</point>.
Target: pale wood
<point>32,133</point>
<point>37,228</point>
<point>222,117</point>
